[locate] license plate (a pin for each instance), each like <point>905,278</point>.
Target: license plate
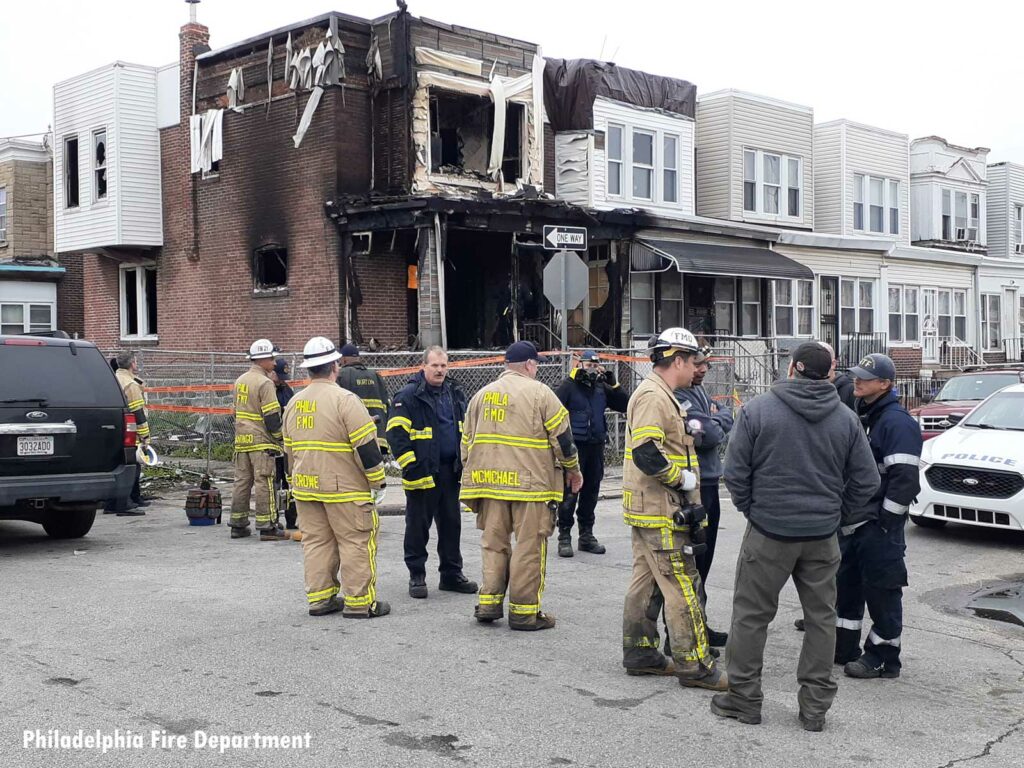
<point>35,446</point>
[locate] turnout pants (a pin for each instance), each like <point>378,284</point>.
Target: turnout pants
<point>663,574</point>
<point>584,503</point>
<point>713,507</point>
<point>762,570</point>
<point>439,505</point>
<point>520,570</point>
<point>254,468</point>
<point>873,571</point>
<point>339,536</point>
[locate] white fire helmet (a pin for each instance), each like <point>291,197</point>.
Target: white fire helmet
<point>262,349</point>
<point>319,351</point>
<point>670,341</point>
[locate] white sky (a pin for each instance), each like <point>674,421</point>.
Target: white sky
<point>955,69</point>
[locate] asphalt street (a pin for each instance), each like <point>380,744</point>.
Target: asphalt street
<point>150,625</point>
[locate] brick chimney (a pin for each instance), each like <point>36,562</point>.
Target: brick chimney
<point>191,36</point>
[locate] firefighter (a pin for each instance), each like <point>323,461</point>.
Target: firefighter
<point>661,502</point>
<point>126,368</point>
<point>257,446</point>
<point>337,479</point>
<point>284,393</point>
<point>587,392</point>
<point>873,569</point>
<point>369,387</point>
<point>515,436</point>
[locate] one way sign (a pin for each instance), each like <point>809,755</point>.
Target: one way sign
<point>565,238</point>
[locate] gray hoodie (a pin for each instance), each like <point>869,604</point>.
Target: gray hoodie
<point>797,459</point>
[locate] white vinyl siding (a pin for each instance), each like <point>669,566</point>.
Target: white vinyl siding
<point>730,123</point>
<point>121,101</point>
<point>1005,197</point>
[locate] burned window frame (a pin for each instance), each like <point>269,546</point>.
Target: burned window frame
<point>258,265</point>
<point>99,169</point>
<point>515,113</point>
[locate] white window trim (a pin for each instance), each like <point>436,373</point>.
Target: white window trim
<point>66,168</point>
<point>886,204</point>
<point>657,170</point>
<point>663,137</point>
<point>1019,223</point>
<point>96,167</point>
<point>653,167</point>
<point>4,215</point>
<point>784,186</point>
<point>856,306</point>
<point>620,160</point>
<point>903,341</point>
<point>795,306</point>
<point>26,319</point>
<point>987,322</point>
<point>742,303</point>
<point>142,308</point>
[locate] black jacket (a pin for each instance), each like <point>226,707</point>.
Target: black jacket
<point>412,427</point>
<point>284,393</point>
<point>844,386</point>
<point>369,387</point>
<point>586,401</point>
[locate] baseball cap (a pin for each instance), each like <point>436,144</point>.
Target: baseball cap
<point>281,368</point>
<point>349,350</point>
<point>812,361</point>
<point>875,366</point>
<point>590,356</point>
<point>521,351</point>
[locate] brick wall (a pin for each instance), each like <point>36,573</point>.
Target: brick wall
<point>29,209</point>
<point>384,312</point>
<point>71,296</point>
<point>100,280</point>
<point>907,360</point>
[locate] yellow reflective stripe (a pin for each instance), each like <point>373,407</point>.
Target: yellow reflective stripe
<point>406,459</point>
<point>543,571</point>
<point>421,434</point>
<point>253,447</point>
<point>488,438</point>
<point>647,521</point>
<point>367,429</point>
<point>372,402</point>
<point>358,602</point>
<point>134,405</point>
<point>333,498</point>
<point>371,549</point>
<point>143,430</point>
<point>504,495</point>
<point>523,609</point>
<point>555,420</point>
<point>465,439</point>
<point>270,407</point>
<point>656,432</point>
<point>492,599</point>
<point>693,606</point>
<point>673,475</point>
<point>323,594</point>
<point>419,485</point>
<point>376,475</point>
<point>246,416</point>
<point>571,463</point>
<point>400,421</point>
<point>683,461</point>
<point>317,445</point>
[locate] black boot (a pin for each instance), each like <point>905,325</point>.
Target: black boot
<point>588,543</point>
<point>565,542</point>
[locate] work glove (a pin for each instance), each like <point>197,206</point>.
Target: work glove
<point>378,496</point>
<point>687,480</point>
<point>695,425</point>
<point>609,378</point>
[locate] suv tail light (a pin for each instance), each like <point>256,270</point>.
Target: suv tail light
<point>131,431</point>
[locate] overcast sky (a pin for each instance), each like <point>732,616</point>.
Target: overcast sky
<point>955,69</point>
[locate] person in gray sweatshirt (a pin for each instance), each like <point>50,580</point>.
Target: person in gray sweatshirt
<point>797,460</point>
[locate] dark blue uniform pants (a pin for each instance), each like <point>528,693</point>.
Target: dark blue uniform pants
<point>713,507</point>
<point>439,505</point>
<point>872,571</point>
<point>585,502</point>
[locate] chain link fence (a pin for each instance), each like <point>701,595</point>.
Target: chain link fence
<point>189,397</point>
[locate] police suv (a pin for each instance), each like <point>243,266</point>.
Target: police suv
<point>972,473</point>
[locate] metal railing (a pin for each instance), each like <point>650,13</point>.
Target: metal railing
<point>854,347</point>
<point>1013,349</point>
<point>956,353</point>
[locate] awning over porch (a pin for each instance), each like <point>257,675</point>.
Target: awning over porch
<point>711,259</point>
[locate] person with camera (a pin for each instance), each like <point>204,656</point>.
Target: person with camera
<point>587,392</point>
<point>809,462</point>
<point>661,503</point>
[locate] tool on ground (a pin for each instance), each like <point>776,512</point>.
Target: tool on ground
<point>203,504</point>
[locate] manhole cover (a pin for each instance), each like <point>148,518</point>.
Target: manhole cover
<point>1004,604</point>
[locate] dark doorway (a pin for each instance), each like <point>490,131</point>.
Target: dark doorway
<point>477,289</point>
<point>829,332</point>
<point>700,305</point>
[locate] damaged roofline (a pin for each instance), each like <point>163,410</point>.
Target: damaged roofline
<point>226,51</point>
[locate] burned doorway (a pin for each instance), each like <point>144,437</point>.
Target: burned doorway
<point>478,296</point>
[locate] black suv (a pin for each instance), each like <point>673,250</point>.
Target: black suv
<point>67,440</point>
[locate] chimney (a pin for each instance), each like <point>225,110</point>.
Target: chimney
<point>194,38</point>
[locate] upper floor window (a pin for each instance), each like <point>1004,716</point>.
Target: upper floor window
<point>99,144</point>
<point>670,169</point>
<point>966,218</point>
<point>615,159</point>
<point>772,184</point>
<point>138,302</point>
<point>3,214</point>
<point>71,172</point>
<point>643,165</point>
<point>1019,225</point>
<point>876,204</point>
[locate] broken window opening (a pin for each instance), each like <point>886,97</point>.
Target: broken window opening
<point>270,267</point>
<point>361,242</point>
<point>461,131</point>
<point>71,172</point>
<point>99,141</point>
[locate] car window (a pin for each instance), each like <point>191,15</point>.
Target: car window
<point>1003,411</point>
<point>58,378</point>
<point>975,387</point>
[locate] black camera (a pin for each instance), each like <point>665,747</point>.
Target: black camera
<point>693,517</point>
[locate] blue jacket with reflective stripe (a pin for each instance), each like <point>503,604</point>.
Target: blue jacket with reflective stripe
<point>415,403</point>
<point>895,439</point>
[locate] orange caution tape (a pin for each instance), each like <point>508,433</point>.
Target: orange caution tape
<point>189,409</point>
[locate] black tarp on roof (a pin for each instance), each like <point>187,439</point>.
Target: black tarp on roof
<point>571,85</point>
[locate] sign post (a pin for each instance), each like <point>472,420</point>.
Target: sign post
<point>566,281</point>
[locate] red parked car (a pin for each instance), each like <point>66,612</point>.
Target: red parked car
<point>959,396</point>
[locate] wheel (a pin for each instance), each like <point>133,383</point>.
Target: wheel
<point>928,522</point>
<point>70,523</point>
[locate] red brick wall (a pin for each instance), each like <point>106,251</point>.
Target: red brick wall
<point>71,296</point>
<point>384,313</point>
<point>907,360</point>
<point>102,301</point>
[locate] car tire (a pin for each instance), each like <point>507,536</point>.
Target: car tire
<point>70,523</point>
<point>928,522</point>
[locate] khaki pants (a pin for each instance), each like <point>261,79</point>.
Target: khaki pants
<point>520,570</point>
<point>762,570</point>
<point>339,536</point>
<point>254,468</point>
<point>663,574</point>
